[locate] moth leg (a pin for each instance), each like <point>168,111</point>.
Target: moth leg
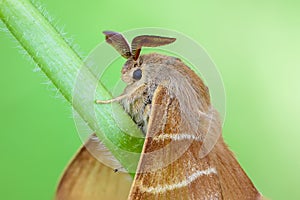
<point>117,99</point>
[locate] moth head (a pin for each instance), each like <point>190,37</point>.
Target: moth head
<point>132,70</point>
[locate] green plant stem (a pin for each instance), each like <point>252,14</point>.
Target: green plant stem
<point>61,65</point>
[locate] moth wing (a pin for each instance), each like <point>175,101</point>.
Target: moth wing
<point>169,167</point>
<point>172,165</point>
<point>234,181</point>
<point>87,179</point>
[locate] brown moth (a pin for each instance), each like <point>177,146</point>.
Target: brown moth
<point>172,106</point>
<point>184,155</point>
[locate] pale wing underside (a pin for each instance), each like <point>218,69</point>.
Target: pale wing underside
<point>88,179</point>
<point>160,176</point>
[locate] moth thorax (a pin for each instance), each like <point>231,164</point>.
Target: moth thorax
<point>138,107</point>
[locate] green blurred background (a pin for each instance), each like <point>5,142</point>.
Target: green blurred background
<point>255,45</point>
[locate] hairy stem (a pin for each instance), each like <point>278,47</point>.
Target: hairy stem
<point>62,65</point>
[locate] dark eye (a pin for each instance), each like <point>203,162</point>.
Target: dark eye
<point>137,74</point>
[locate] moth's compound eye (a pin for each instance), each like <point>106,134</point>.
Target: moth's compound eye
<point>137,74</point>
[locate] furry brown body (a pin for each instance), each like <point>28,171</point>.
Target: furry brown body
<point>166,71</point>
